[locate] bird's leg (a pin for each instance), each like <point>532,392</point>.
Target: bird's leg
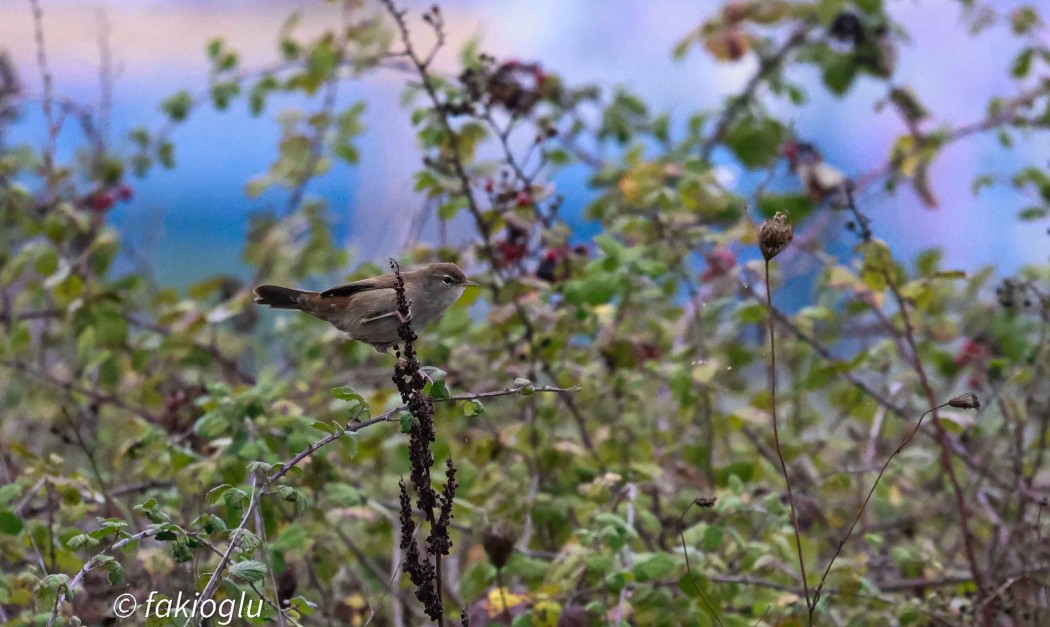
<point>403,318</point>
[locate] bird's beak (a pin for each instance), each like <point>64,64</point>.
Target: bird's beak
<point>469,283</point>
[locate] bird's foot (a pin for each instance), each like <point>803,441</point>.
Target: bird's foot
<point>403,318</point>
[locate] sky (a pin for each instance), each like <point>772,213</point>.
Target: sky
<point>196,214</point>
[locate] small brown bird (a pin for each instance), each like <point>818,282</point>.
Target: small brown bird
<point>822,180</point>
<point>367,309</point>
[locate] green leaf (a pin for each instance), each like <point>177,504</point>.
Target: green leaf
<point>347,393</point>
<point>78,541</point>
<point>248,571</point>
<point>293,538</point>
<point>257,466</point>
<point>473,407</point>
<point>755,140</point>
<point>839,72</point>
<point>351,442</point>
<point>797,206</point>
<point>327,427</point>
<point>407,420</point>
<point>526,386</point>
<point>214,47</point>
<point>116,573</point>
<point>1022,63</point>
<point>209,523</point>
<point>178,106</point>
<point>435,374</point>
<point>10,524</point>
<point>1029,214</point>
<point>54,583</point>
<point>654,567</point>
<point>235,497</point>
<point>712,538</point>
<point>9,492</point>
<point>290,494</point>
<point>439,391</point>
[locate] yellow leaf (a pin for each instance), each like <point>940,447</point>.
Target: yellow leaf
<point>494,605</point>
<point>906,156</point>
<point>896,498</point>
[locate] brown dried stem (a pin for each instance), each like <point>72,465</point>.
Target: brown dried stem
<point>776,441</point>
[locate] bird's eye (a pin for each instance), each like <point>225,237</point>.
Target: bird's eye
<point>447,280</point>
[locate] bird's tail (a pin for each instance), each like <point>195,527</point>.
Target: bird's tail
<point>283,297</point>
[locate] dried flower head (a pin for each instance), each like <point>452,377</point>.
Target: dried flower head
<point>706,501</point>
<point>775,235</point>
<point>499,540</point>
<point>965,401</point>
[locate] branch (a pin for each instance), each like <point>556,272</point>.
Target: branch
<point>89,566</point>
<point>213,582</point>
<point>389,416</point>
<point>422,69</point>
<point>766,66</point>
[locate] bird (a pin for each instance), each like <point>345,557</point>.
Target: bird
<point>367,309</point>
<point>820,178</point>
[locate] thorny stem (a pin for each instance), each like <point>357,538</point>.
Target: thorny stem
<point>780,452</point>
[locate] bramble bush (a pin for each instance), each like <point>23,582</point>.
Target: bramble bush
<point>629,429</point>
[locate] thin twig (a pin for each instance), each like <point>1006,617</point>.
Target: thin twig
<point>389,416</point>
<point>689,569</point>
<point>90,565</point>
<point>864,506</point>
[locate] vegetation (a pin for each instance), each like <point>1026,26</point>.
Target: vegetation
<point>626,430</point>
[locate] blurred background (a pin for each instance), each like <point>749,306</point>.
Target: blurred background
<point>190,222</point>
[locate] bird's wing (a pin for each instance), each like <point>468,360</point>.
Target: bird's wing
<point>385,282</point>
<point>379,304</point>
<point>389,314</point>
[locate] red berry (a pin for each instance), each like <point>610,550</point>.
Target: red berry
<point>100,201</point>
<point>489,186</point>
<point>972,351</point>
<point>719,262</point>
<point>124,192</point>
<point>523,199</point>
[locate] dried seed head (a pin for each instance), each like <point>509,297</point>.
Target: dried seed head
<point>774,235</point>
<point>705,501</point>
<point>499,539</point>
<point>965,401</point>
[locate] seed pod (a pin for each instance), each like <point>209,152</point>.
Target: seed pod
<point>705,501</point>
<point>965,401</point>
<point>499,540</point>
<point>775,235</point>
